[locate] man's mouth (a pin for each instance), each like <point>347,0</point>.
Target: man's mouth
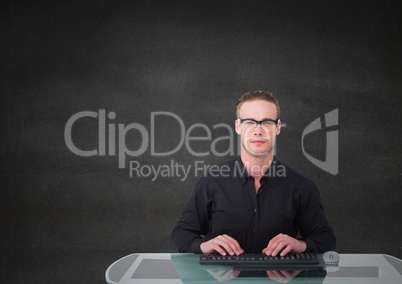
<point>258,141</point>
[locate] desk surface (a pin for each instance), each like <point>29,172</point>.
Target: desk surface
<point>147,268</point>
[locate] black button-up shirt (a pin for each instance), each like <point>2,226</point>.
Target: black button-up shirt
<point>225,202</point>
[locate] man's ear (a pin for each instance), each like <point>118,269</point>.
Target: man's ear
<point>278,127</point>
<point>237,127</point>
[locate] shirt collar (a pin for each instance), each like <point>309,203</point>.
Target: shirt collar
<point>244,176</point>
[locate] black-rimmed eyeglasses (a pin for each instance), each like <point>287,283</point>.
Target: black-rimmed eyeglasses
<point>254,123</point>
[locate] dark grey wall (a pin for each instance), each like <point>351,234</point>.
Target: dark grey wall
<point>68,217</point>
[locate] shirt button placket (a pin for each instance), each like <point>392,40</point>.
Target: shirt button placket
<point>255,230</point>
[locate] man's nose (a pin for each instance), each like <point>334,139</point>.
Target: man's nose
<point>259,130</point>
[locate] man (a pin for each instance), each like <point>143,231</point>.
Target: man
<point>255,203</point>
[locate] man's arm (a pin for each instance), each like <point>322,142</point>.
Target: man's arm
<point>193,222</point>
<point>189,234</point>
<point>318,236</point>
<point>314,226</point>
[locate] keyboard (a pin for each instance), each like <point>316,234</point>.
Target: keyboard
<point>259,259</point>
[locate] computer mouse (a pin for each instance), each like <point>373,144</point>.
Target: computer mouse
<point>331,257</point>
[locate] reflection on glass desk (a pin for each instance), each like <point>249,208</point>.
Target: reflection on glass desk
<point>180,268</point>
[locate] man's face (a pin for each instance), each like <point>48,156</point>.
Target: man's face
<point>258,140</point>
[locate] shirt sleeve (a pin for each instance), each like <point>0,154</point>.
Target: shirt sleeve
<point>313,225</point>
<point>193,223</point>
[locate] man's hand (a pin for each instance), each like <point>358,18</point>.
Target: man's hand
<point>284,244</point>
<point>222,244</point>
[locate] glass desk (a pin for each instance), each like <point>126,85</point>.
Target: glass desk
<point>175,268</point>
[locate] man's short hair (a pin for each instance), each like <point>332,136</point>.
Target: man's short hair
<point>258,95</point>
